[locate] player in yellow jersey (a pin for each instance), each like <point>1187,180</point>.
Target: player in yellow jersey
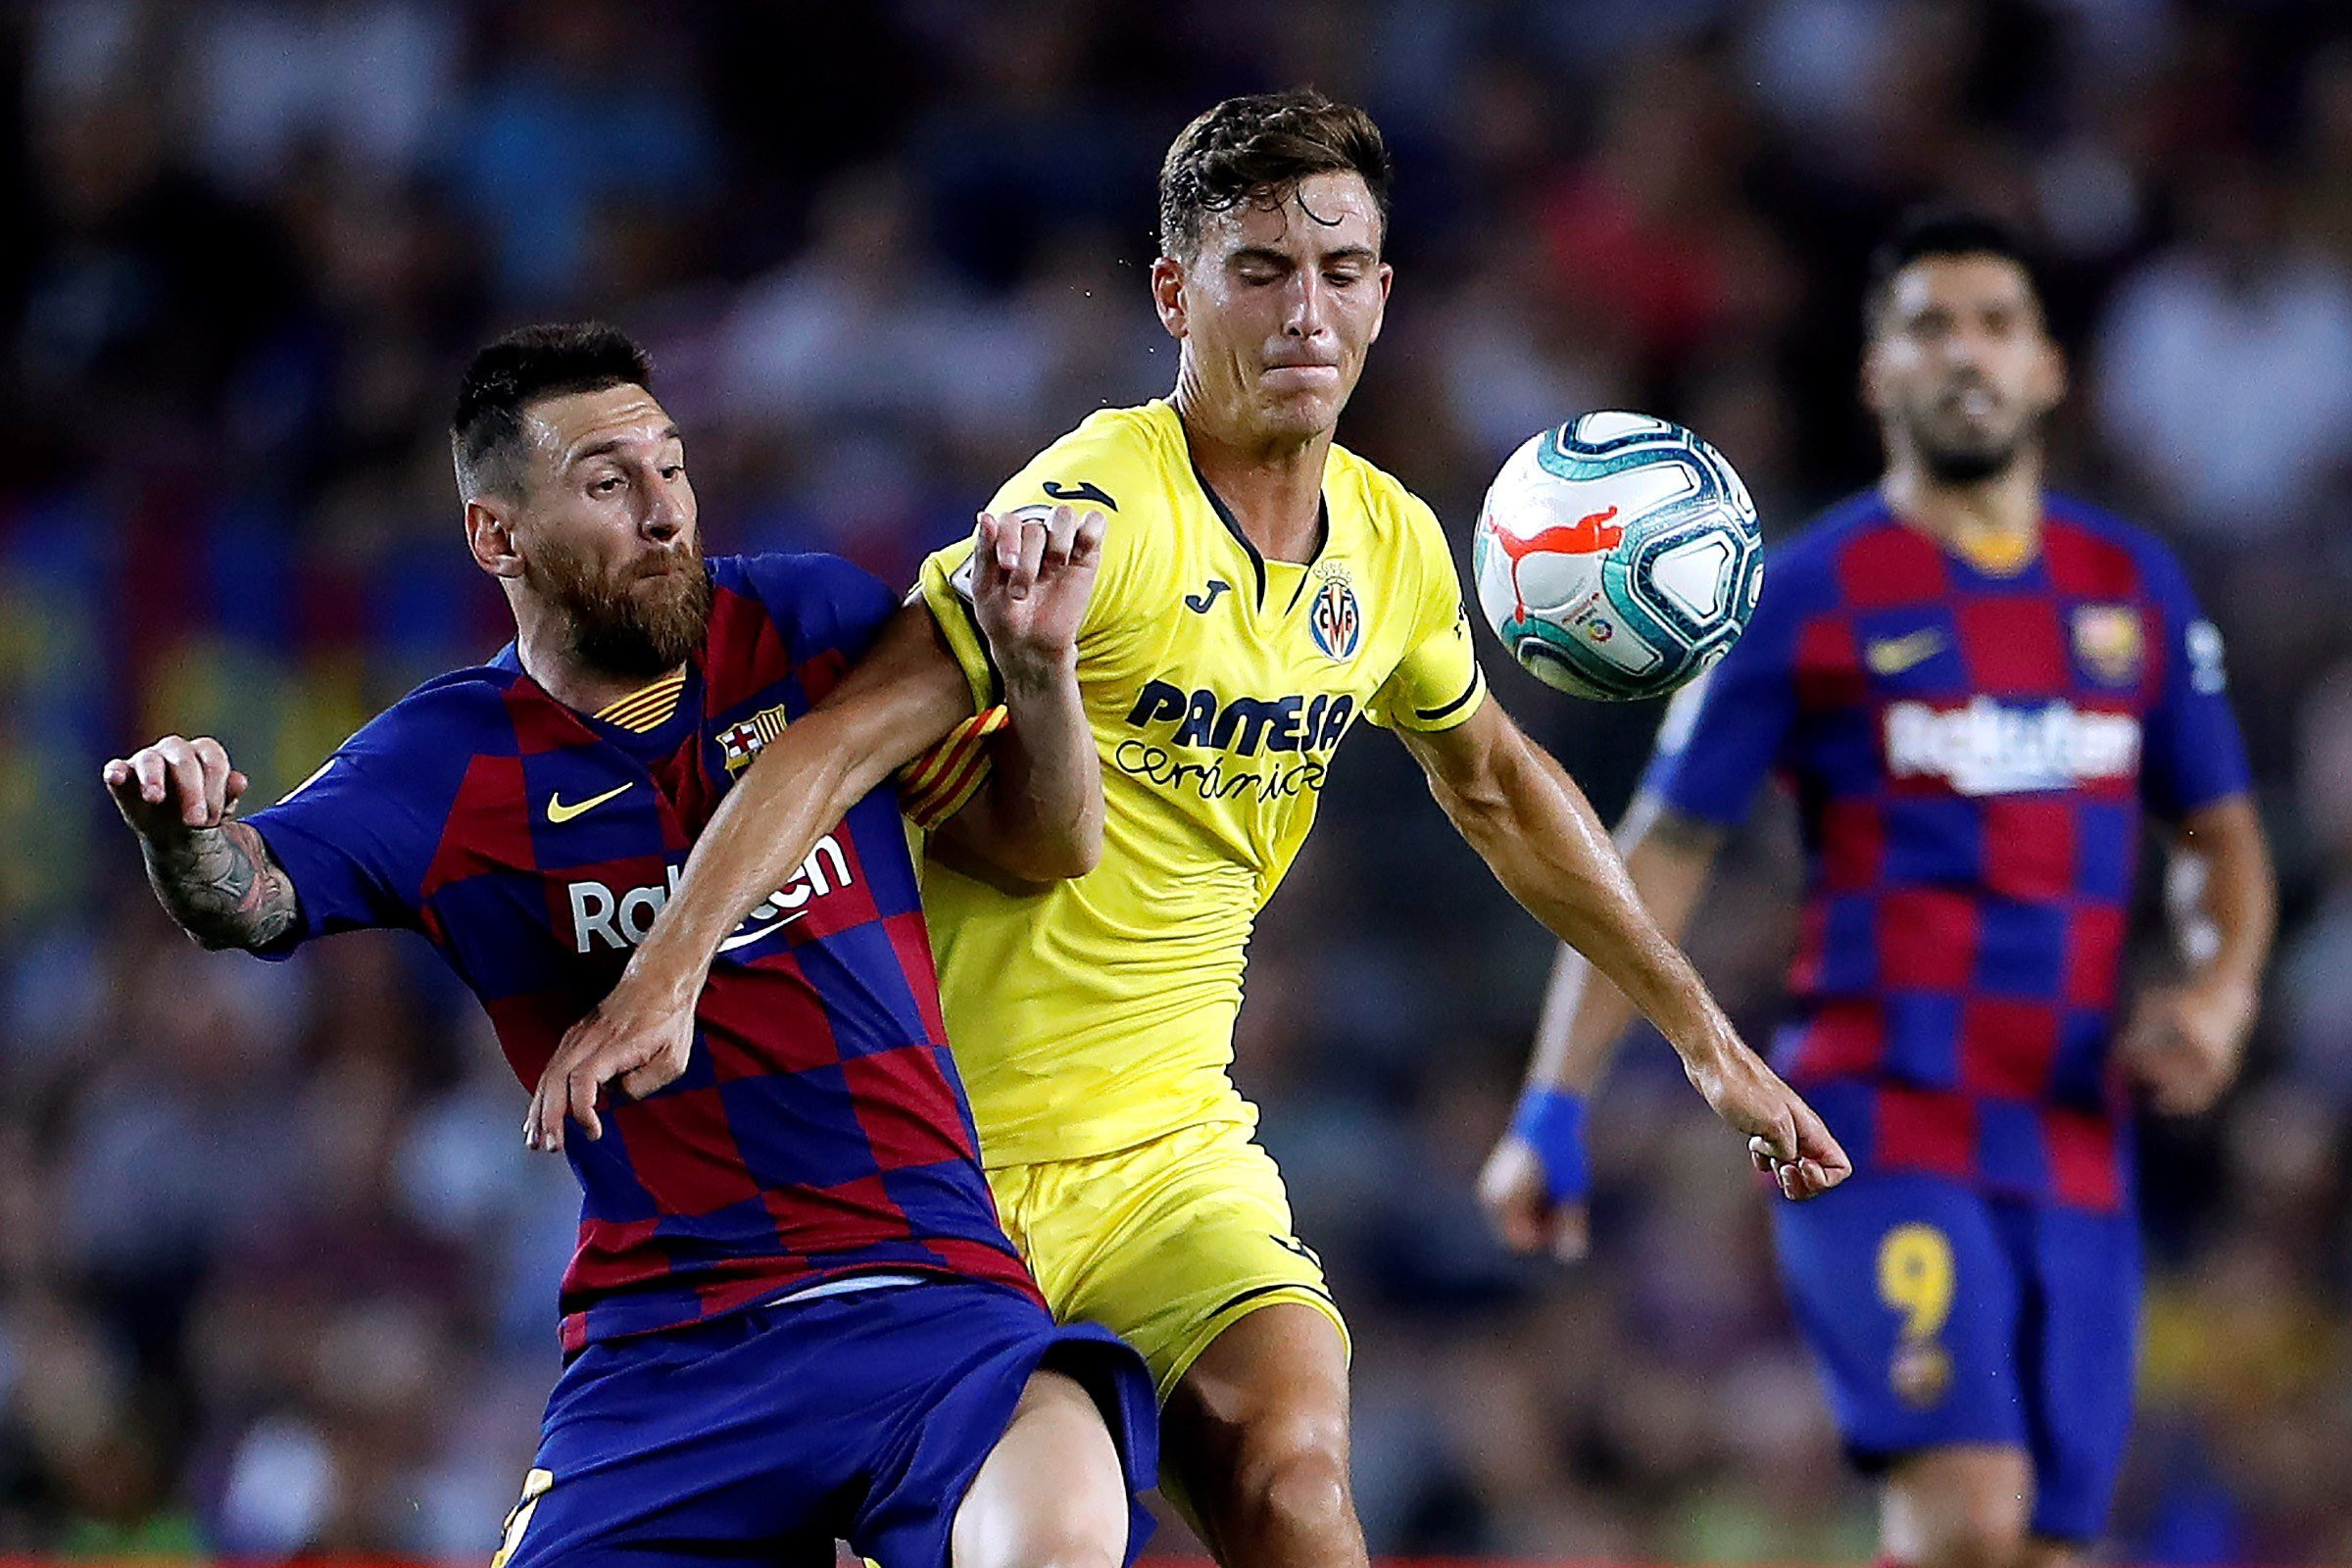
<point>1258,590</point>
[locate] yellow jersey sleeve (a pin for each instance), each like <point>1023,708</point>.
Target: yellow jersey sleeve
<point>945,586</point>
<point>1438,683</point>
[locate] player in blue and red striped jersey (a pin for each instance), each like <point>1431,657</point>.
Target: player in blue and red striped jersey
<point>792,1315</point>
<point>1976,689</point>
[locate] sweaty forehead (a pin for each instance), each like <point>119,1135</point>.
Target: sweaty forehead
<point>1327,212</point>
<point>562,427</point>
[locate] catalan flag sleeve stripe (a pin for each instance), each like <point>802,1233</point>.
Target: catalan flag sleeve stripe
<point>938,784</point>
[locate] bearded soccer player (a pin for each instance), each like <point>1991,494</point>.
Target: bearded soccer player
<point>792,1315</point>
<point>1976,688</point>
<point>1260,589</point>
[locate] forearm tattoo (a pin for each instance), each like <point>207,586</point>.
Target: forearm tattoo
<point>223,886</point>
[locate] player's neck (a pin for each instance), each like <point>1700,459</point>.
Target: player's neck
<point>1995,523</point>
<point>1274,490</point>
<point>545,651</point>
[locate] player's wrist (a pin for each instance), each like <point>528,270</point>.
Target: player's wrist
<point>665,975</point>
<point>170,843</point>
<point>1031,672</point>
<point>1712,1043</point>
<point>1550,1120</point>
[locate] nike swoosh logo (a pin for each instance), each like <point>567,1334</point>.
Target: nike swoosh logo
<point>1898,654</point>
<point>1081,492</point>
<point>559,812</point>
<point>1199,602</point>
<point>748,932</point>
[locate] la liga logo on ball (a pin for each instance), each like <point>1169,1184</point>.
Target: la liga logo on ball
<point>1335,620</point>
<point>1617,556</point>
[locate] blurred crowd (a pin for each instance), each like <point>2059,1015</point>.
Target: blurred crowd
<point>276,1272</point>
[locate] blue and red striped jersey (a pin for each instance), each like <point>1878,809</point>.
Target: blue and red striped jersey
<point>821,1130</point>
<point>1971,756</point>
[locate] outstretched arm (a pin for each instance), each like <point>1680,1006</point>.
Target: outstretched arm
<point>213,875</point>
<point>2186,1040</point>
<point>1668,858</point>
<point>1533,828</point>
<point>903,696</point>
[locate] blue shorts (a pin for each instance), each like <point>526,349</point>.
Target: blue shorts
<point>764,1435</point>
<point>1942,1316</point>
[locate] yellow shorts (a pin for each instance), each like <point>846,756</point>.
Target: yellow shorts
<point>1167,1244</point>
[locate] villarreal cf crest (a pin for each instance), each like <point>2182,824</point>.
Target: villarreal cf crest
<point>2107,642</point>
<point>1335,618</point>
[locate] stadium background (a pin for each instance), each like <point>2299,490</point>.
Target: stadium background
<point>275,1273</point>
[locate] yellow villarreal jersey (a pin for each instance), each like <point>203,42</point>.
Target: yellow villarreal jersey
<point>1097,1013</point>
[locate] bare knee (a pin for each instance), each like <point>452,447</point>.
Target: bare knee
<point>1062,1539</point>
<point>1290,1471</point>
<point>1255,1441</point>
<point>1062,1544</point>
<point>1961,1509</point>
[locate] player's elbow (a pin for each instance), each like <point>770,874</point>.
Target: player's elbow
<point>1480,813</point>
<point>1084,853</point>
<point>1040,855</point>
<point>215,939</point>
<point>1483,802</point>
<point>1481,773</point>
<point>1064,857</point>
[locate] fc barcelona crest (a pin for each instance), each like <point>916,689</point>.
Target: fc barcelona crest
<point>738,744</point>
<point>2108,642</point>
<point>1920,1375</point>
<point>1335,619</point>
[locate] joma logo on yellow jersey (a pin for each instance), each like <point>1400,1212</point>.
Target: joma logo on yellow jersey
<point>1241,724</point>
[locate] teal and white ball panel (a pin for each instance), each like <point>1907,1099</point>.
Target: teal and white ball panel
<point>1617,556</point>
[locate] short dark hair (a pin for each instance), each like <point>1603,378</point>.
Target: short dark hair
<point>520,368</point>
<point>1939,229</point>
<point>1258,148</point>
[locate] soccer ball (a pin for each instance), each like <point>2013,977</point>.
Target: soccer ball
<point>1617,556</point>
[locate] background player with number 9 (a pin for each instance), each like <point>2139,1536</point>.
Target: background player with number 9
<point>1976,688</point>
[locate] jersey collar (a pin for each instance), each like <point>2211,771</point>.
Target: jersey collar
<point>658,741</point>
<point>1258,561</point>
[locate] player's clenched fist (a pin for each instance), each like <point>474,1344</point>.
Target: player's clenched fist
<point>1534,1194</point>
<point>214,874</point>
<point>1786,1140</point>
<point>174,786</point>
<point>1032,574</point>
<point>2185,1043</point>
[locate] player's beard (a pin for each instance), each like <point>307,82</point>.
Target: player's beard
<point>1969,464</point>
<point>1962,457</point>
<point>628,622</point>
